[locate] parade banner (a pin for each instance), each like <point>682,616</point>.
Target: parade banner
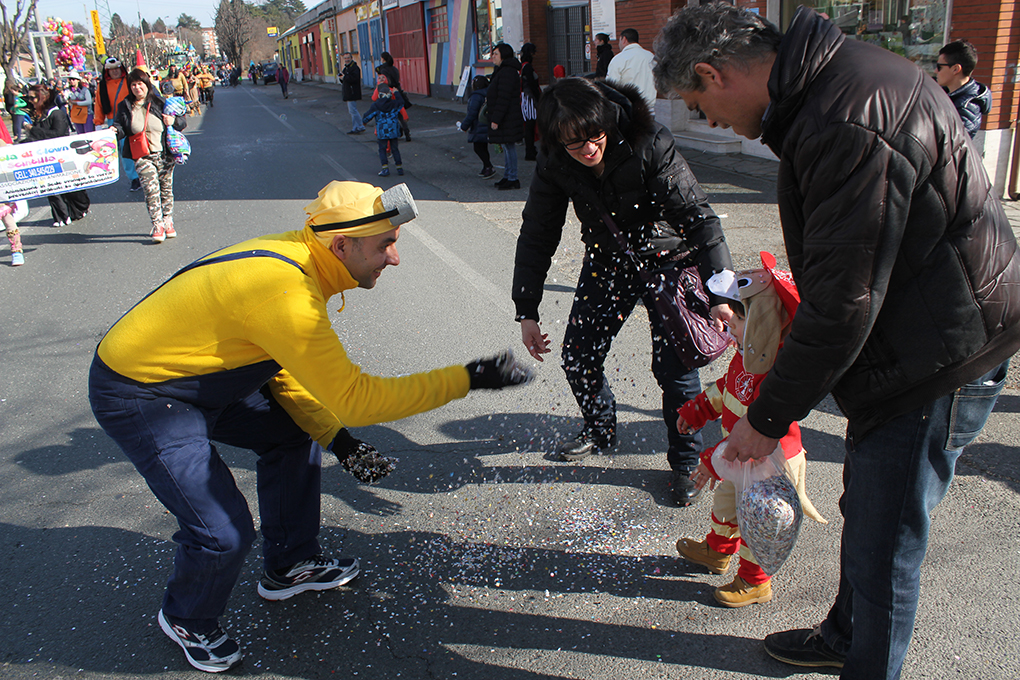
<point>56,166</point>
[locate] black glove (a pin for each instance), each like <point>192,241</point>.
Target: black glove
<point>360,459</point>
<point>495,373</point>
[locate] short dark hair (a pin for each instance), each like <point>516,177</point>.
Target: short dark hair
<point>505,51</point>
<point>738,308</point>
<point>963,53</point>
<point>479,82</point>
<point>387,57</point>
<point>604,37</point>
<point>575,107</point>
<point>630,34</point>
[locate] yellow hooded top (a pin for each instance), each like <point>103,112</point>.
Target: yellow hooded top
<point>230,315</point>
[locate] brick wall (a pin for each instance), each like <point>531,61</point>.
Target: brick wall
<point>535,31</point>
<point>994,29</point>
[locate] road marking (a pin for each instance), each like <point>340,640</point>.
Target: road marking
<point>281,119</point>
<point>483,285</point>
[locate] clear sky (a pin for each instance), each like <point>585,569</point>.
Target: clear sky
<point>168,10</point>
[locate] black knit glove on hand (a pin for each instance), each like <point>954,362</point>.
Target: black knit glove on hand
<point>360,459</point>
<point>495,373</point>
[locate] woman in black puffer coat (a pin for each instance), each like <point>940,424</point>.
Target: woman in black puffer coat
<point>506,122</point>
<point>603,151</point>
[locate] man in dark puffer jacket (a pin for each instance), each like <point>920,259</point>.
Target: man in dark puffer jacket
<point>908,274</point>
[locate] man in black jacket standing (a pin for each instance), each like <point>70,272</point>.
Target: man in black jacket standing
<point>908,273</point>
<point>351,78</point>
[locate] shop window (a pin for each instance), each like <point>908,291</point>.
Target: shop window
<point>914,29</point>
<point>489,26</point>
<point>354,41</point>
<point>439,29</point>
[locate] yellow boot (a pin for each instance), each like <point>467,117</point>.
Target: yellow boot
<point>740,593</point>
<point>698,552</point>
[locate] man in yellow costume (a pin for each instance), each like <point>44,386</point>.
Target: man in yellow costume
<point>237,348</point>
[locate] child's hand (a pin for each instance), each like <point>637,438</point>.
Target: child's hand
<point>701,476</point>
<point>683,427</point>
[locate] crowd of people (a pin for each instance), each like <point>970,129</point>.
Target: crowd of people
<point>76,103</point>
<point>901,302</point>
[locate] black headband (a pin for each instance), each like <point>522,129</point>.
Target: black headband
<point>355,223</point>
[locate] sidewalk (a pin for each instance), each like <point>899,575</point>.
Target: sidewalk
<point>751,166</point>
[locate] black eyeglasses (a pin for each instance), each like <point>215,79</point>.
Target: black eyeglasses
<point>939,66</point>
<point>578,144</point>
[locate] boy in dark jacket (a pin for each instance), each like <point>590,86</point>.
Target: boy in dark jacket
<point>386,109</point>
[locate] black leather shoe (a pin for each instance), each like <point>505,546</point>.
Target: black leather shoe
<point>682,489</point>
<point>501,182</point>
<point>585,444</point>
<point>803,647</point>
<point>512,184</point>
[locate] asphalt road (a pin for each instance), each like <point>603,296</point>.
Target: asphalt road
<point>482,556</point>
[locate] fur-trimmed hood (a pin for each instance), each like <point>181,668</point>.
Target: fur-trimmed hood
<point>634,118</point>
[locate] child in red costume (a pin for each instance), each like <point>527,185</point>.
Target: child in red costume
<point>764,302</point>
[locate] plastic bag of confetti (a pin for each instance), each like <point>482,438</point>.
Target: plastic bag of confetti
<point>769,513</point>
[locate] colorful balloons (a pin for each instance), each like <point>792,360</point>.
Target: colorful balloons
<point>69,55</point>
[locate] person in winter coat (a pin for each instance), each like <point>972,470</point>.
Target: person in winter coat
<point>391,76</point>
<point>909,278</point>
<point>604,52</point>
<point>50,121</point>
<point>602,150</point>
<point>478,130</point>
<point>111,91</point>
<point>506,122</point>
<point>386,109</point>
<point>142,111</point>
<point>283,77</point>
<point>956,61</point>
<point>351,78</point>
<point>530,93</point>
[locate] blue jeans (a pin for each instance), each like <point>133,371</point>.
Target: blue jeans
<point>126,164</point>
<point>352,108</point>
<point>168,438</point>
<point>510,161</point>
<point>892,480</point>
<point>605,296</point>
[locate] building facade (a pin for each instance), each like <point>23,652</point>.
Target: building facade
<point>440,45</point>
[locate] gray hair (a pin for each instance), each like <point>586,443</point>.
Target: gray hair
<point>716,33</point>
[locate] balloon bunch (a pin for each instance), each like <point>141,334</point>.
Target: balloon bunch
<point>70,55</point>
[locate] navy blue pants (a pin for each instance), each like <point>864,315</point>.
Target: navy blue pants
<point>167,429</point>
<point>606,294</point>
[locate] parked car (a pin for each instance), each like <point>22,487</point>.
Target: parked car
<point>269,73</point>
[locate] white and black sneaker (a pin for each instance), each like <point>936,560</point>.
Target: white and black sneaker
<point>212,652</point>
<point>316,573</point>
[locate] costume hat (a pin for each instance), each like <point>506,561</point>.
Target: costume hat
<point>770,300</point>
<point>358,209</point>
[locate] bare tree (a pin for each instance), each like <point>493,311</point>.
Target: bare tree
<point>235,28</point>
<point>13,33</point>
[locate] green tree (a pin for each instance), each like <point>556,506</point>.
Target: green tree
<point>145,27</point>
<point>117,28</point>
<point>158,26</point>
<point>13,33</point>
<point>188,21</point>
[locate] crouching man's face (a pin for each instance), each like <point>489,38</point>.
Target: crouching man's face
<point>366,257</point>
